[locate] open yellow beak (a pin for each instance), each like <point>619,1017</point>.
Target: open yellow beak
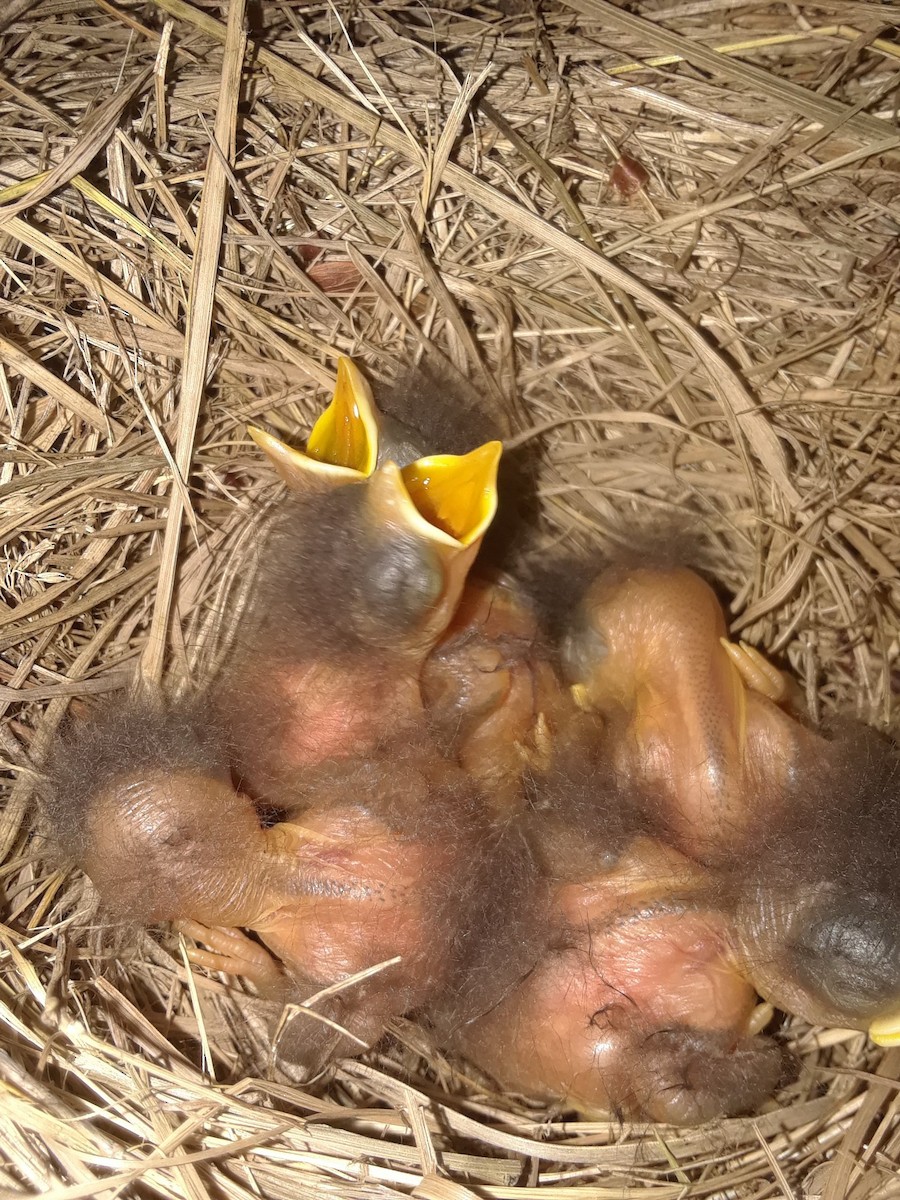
<point>449,497</point>
<point>343,445</point>
<point>456,494</point>
<point>886,1030</point>
<point>439,509</point>
<point>296,468</point>
<point>346,434</point>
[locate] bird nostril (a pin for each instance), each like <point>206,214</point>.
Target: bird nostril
<point>848,952</point>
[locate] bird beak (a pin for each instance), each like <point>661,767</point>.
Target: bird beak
<point>346,434</point>
<point>455,494</point>
<point>343,445</point>
<point>447,503</point>
<point>886,1030</point>
<point>448,499</point>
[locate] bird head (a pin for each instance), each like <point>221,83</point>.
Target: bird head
<point>384,548</point>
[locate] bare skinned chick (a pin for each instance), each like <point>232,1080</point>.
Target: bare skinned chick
<point>358,575</point>
<point>367,894</point>
<point>802,823</point>
<point>636,1005</point>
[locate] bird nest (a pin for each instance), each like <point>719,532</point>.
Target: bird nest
<point>661,237</point>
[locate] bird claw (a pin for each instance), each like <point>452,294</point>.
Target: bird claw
<point>760,1017</point>
<point>757,673</point>
<point>233,953</point>
<point>537,753</point>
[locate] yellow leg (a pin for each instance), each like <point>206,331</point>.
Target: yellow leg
<point>232,952</point>
<point>757,672</point>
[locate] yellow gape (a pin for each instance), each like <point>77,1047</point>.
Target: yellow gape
<point>343,444</point>
<point>456,493</point>
<point>886,1030</point>
<point>346,434</point>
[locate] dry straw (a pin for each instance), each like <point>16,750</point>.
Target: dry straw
<point>192,227</point>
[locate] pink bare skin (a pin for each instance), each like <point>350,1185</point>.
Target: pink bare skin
<point>636,1005</point>
<point>302,714</point>
<point>361,896</point>
<point>490,690</point>
<point>647,655</point>
<point>342,888</point>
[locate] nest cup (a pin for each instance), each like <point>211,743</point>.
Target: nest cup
<point>659,240</point>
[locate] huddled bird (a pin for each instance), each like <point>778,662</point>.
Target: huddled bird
<point>589,853</point>
<point>798,824</point>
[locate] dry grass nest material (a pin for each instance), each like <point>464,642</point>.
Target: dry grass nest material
<point>397,182</point>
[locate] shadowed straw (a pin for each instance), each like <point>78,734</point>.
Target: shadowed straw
<point>400,183</point>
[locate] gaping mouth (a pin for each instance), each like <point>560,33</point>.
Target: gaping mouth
<point>343,444</point>
<point>455,494</point>
<point>346,434</point>
<point>451,498</point>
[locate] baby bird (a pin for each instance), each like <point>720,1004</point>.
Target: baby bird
<point>360,572</point>
<point>802,823</point>
<point>488,686</point>
<point>357,906</point>
<point>635,1005</point>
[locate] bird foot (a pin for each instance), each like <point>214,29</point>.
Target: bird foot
<point>233,953</point>
<point>758,674</point>
<point>537,752</point>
